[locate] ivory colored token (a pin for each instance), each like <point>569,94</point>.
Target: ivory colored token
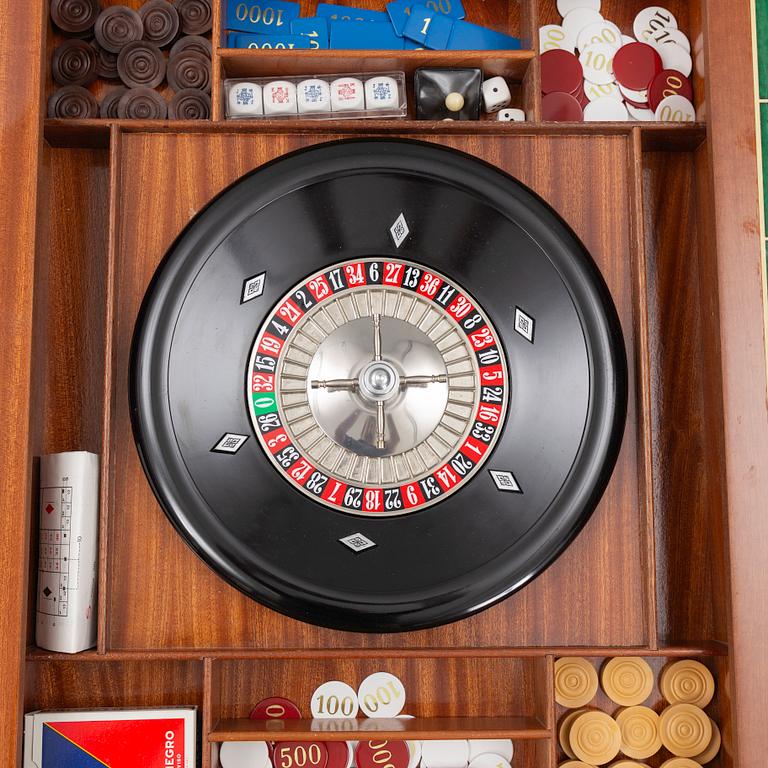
<point>454,102</point>
<point>489,761</point>
<point>564,732</point>
<point>639,732</point>
<point>603,31</point>
<point>564,7</point>
<point>680,762</point>
<point>605,110</point>
<point>638,113</point>
<point>597,63</point>
<point>627,680</point>
<point>444,753</point>
<point>595,738</point>
<point>685,730</point>
<point>334,699</point>
<point>502,747</point>
<point>594,91</point>
<point>675,109</point>
<point>575,682</point>
<point>652,19</point>
<point>627,39</point>
<point>577,19</point>
<point>244,754</point>
<point>687,681</point>
<point>414,752</point>
<point>674,56</point>
<point>381,694</point>
<point>710,753</point>
<point>553,36</point>
<point>669,37</point>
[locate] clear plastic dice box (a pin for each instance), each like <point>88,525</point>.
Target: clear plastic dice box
<point>317,97</point>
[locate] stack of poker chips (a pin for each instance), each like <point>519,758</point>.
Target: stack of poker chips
<point>161,42</point>
<point>592,71</point>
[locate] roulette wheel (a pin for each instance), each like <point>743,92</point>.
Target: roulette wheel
<point>378,385</point>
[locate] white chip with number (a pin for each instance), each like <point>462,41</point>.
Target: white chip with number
<point>601,32</point>
<point>626,39</point>
<point>577,19</point>
<point>444,754</point>
<point>674,56</point>
<point>669,37</point>
<point>639,97</point>
<point>597,63</point>
<point>501,747</point>
<point>644,115</point>
<point>381,695</point>
<point>414,753</point>
<point>335,700</point>
<point>244,754</point>
<point>652,19</point>
<point>552,36</point>
<point>489,761</point>
<point>594,91</point>
<point>564,7</point>
<point>605,110</point>
<point>675,109</point>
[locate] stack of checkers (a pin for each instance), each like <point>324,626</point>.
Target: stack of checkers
<point>591,70</point>
<point>679,735</point>
<point>143,49</point>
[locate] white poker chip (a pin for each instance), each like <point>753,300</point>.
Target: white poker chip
<point>674,56</point>
<point>594,91</point>
<point>334,700</point>
<point>639,97</point>
<point>552,36</point>
<point>564,7</point>
<point>381,695</point>
<point>597,63</point>
<point>604,31</point>
<point>577,19</point>
<point>501,747</point>
<point>662,37</point>
<point>605,110</point>
<point>351,745</point>
<point>244,754</point>
<point>626,39</point>
<point>414,752</point>
<point>651,19</point>
<point>675,109</point>
<point>644,115</point>
<point>489,761</point>
<point>453,753</point>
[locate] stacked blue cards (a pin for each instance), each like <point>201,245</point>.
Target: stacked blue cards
<point>406,24</point>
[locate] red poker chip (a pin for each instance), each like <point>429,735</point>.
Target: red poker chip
<point>304,754</point>
<point>561,108</point>
<point>275,708</point>
<point>635,65</point>
<point>378,753</point>
<point>669,82</point>
<point>338,754</point>
<point>561,72</point>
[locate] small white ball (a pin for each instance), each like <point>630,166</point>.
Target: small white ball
<point>454,102</point>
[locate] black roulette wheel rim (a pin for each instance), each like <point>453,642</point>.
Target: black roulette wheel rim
<point>242,557</point>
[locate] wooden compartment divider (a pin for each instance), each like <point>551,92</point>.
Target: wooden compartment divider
<point>650,575</point>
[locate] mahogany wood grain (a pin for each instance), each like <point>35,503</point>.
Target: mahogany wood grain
<point>21,51</point>
<point>737,271</point>
<point>578,601</point>
<point>469,687</point>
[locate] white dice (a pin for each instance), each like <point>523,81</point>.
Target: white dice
<point>245,100</point>
<point>381,93</point>
<point>496,94</point>
<point>280,98</point>
<point>511,115</point>
<point>347,94</point>
<point>313,95</point>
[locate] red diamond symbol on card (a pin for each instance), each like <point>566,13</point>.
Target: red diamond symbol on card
<point>50,508</point>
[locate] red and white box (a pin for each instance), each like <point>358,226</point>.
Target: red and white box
<point>117,738</point>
